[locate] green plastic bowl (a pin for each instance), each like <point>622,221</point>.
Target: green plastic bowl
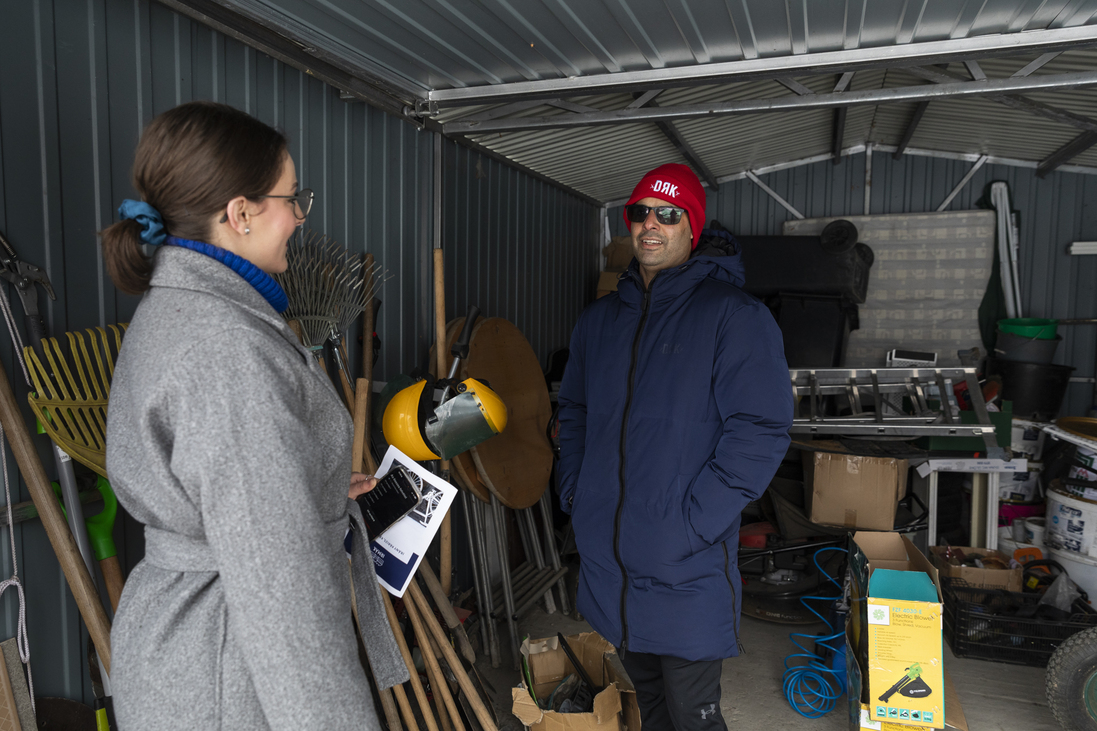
<point>1030,327</point>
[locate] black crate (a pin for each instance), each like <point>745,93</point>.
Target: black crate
<point>984,623</point>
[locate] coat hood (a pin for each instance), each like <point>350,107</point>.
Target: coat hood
<point>717,256</point>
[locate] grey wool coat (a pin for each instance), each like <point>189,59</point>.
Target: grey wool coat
<point>229,444</point>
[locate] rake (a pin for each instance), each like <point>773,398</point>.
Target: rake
<point>73,408</point>
<point>324,286</point>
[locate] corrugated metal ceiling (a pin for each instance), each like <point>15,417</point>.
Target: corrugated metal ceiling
<point>412,48</point>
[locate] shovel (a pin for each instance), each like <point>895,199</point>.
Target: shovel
<point>101,536</point>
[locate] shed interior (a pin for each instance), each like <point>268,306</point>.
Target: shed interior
<point>511,134</point>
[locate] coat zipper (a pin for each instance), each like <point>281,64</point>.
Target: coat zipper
<point>622,469</point>
<point>734,597</point>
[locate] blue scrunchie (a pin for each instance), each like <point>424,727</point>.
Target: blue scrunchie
<point>152,226</point>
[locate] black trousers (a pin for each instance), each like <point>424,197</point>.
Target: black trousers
<point>676,694</point>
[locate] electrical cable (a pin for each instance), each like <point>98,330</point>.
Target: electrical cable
<point>812,688</point>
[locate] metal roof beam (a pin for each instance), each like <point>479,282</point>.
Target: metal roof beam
<point>644,98</point>
<point>684,148</point>
<point>839,133</point>
<point>1038,63</point>
<point>794,86</point>
<point>806,64</point>
<point>840,116</point>
<point>813,101</point>
<point>909,132</point>
<point>1016,101</point>
<point>1070,150</point>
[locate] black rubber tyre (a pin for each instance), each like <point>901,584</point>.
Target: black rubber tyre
<point>838,237</point>
<point>1071,682</point>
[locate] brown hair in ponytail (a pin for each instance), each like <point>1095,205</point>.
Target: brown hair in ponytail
<point>191,161</point>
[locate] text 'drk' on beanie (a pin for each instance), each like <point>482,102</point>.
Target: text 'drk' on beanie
<point>678,185</point>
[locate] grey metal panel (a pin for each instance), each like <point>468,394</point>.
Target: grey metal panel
<point>1053,212</point>
<point>93,74</point>
<point>516,247</point>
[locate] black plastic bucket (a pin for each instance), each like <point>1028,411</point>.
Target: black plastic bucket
<point>1010,346</point>
<point>1036,389</point>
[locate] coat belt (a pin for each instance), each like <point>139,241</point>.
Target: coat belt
<point>175,552</point>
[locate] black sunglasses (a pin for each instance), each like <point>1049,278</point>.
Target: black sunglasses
<point>302,203</point>
<point>666,215</point>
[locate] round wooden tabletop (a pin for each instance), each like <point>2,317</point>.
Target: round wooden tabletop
<point>516,464</point>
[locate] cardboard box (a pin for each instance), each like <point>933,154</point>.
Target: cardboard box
<point>859,714</point>
<point>618,253</point>
<point>849,491</point>
<point>1008,579</point>
<point>894,632</point>
<point>614,706</point>
<point>607,282</point>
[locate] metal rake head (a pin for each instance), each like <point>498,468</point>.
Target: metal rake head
<point>326,286</point>
<point>71,390</point>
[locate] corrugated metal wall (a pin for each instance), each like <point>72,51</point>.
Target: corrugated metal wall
<point>1053,212</point>
<point>83,78</point>
<point>516,247</point>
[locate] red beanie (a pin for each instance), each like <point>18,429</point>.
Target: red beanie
<point>675,184</point>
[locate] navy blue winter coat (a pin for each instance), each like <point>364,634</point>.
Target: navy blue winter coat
<point>695,370</point>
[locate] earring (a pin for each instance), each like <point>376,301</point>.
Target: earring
<point>247,230</point>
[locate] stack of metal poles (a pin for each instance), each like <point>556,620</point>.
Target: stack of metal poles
<point>521,588</point>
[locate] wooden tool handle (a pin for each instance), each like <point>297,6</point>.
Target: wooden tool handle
<point>445,538</point>
<point>441,600</point>
<point>416,685</point>
<point>434,672</point>
<point>112,577</point>
<point>385,693</point>
<point>367,364</point>
<point>388,705</point>
<point>64,546</point>
<point>405,708</point>
<point>463,679</point>
<point>359,448</point>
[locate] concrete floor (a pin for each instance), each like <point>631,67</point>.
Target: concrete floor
<point>994,696</point>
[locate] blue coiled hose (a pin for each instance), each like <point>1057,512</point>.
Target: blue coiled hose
<point>812,688</point>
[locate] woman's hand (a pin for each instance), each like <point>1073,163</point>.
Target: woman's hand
<point>360,484</point>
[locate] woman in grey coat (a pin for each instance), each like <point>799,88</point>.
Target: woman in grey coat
<point>230,445</point>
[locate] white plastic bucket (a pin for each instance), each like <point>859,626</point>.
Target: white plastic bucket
<point>1035,528</point>
<point>1082,569</point>
<point>1028,438</point>
<point>1021,487</point>
<point>1071,524</point>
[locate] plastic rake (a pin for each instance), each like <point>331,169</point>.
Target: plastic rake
<point>71,391</point>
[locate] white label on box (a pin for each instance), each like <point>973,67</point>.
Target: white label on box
<point>879,614</point>
<point>867,722</point>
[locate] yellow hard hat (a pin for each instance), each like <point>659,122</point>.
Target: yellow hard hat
<point>491,406</point>
<point>404,419</point>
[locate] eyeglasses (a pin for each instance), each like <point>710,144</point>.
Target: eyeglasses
<point>666,215</point>
<point>302,202</point>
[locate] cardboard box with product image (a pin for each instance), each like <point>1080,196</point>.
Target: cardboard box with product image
<point>614,701</point>
<point>894,633</point>
<point>851,491</point>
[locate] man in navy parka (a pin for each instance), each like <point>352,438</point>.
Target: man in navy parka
<point>674,414</point>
